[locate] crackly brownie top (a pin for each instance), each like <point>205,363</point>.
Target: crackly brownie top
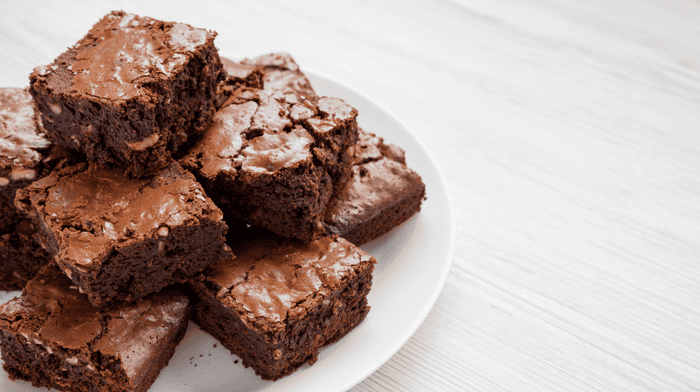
<point>22,139</point>
<point>270,277</point>
<point>263,137</point>
<point>379,178</point>
<point>122,54</point>
<point>242,83</point>
<point>281,73</point>
<point>371,147</point>
<point>52,314</point>
<point>239,71</point>
<point>247,75</point>
<point>95,210</point>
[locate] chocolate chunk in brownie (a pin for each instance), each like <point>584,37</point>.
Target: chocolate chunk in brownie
<point>274,161</point>
<point>52,337</point>
<point>381,194</point>
<point>23,148</point>
<point>21,256</point>
<point>131,91</point>
<point>120,239</point>
<point>279,301</point>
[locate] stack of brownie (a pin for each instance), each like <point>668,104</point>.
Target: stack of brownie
<point>146,180</point>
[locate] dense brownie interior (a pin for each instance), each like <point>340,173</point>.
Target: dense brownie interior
<point>21,256</point>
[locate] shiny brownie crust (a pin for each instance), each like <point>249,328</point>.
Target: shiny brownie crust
<point>275,161</point>
<point>382,193</point>
<point>52,337</point>
<point>280,301</point>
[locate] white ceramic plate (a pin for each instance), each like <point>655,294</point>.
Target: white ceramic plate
<point>413,262</point>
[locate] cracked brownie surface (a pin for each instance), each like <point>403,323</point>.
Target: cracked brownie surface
<point>120,239</point>
<point>52,337</point>
<point>280,300</point>
<point>381,194</point>
<point>281,73</point>
<point>275,160</point>
<point>131,91</point>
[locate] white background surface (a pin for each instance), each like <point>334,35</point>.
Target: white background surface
<point>568,133</point>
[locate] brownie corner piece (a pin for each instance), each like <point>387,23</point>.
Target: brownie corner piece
<point>137,87</point>
<point>279,301</point>
<point>120,238</point>
<point>52,337</point>
<point>382,193</point>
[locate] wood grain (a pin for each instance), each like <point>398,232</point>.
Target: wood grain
<point>569,136</point>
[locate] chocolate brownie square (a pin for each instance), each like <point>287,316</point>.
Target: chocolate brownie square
<point>52,337</point>
<point>120,239</point>
<point>381,194</point>
<point>21,255</point>
<point>275,161</point>
<point>131,91</point>
<point>279,301</point>
<point>23,148</point>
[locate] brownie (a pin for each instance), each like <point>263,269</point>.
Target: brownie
<point>21,255</point>
<point>131,91</point>
<point>52,337</point>
<point>281,74</point>
<point>23,148</point>
<point>381,194</point>
<point>120,239</point>
<point>280,300</point>
<point>274,161</point>
<point>26,155</point>
<point>242,82</point>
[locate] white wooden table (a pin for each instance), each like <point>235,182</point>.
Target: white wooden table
<point>569,135</point>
